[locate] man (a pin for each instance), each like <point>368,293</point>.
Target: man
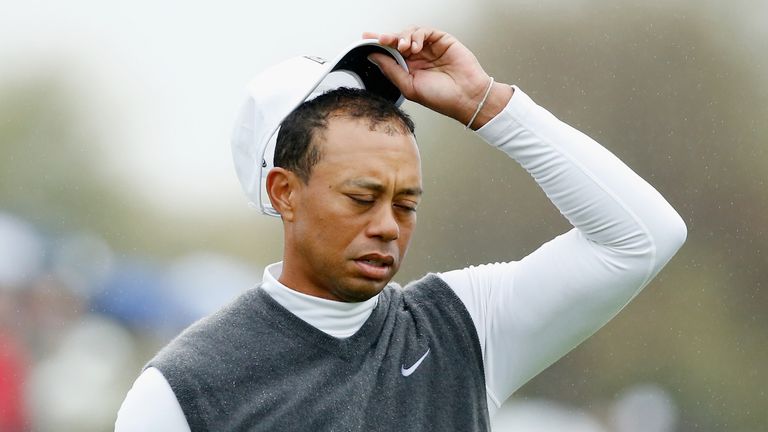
<point>326,344</point>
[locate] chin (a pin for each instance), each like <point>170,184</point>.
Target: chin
<point>360,292</point>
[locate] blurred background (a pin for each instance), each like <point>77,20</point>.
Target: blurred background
<point>121,219</point>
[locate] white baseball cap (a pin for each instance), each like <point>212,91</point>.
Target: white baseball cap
<point>277,91</point>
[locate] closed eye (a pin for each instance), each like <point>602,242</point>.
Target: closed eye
<point>362,200</point>
<point>407,207</point>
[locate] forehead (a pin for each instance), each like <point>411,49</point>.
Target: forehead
<point>346,138</point>
<point>355,147</point>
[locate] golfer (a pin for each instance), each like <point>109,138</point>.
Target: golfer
<point>327,342</point>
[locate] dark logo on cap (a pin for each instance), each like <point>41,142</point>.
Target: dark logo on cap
<point>316,59</point>
<point>263,163</point>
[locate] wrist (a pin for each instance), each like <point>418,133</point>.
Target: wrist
<point>498,98</point>
<point>486,93</point>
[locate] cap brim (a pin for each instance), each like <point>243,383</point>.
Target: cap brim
<point>356,61</point>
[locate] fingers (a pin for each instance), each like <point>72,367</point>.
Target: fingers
<point>394,72</point>
<point>417,39</point>
<point>410,41</point>
<point>389,39</point>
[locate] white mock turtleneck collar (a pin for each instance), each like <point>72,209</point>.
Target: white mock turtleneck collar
<point>338,319</point>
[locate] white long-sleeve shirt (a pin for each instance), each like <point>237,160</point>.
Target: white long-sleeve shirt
<point>527,313</point>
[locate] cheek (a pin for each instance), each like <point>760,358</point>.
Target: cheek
<point>329,229</point>
<point>406,232</point>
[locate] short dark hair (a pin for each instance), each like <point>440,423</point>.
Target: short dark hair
<point>296,150</point>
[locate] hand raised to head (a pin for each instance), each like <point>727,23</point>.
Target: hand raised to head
<point>443,74</point>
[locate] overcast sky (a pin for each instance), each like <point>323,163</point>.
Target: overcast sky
<point>160,82</point>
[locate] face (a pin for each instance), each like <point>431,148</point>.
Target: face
<point>348,228</point>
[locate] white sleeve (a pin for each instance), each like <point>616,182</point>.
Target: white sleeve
<point>151,406</point>
<point>530,313</point>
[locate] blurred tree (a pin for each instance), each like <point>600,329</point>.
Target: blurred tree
<point>52,173</point>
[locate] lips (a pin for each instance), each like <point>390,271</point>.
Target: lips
<point>375,266</point>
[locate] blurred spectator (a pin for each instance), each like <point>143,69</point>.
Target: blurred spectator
<point>644,408</point>
<point>80,385</point>
<point>135,295</point>
<point>21,253</point>
<point>13,370</point>
<point>202,282</point>
<point>21,258</point>
<point>544,416</point>
<point>83,261</point>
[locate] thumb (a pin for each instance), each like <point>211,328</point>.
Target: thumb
<point>394,72</point>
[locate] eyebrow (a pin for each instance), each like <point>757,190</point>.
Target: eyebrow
<point>378,187</point>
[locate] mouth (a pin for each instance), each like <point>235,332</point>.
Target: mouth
<point>375,266</point>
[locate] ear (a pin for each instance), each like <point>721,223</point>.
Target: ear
<point>282,187</point>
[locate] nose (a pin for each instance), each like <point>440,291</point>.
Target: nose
<point>384,224</point>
